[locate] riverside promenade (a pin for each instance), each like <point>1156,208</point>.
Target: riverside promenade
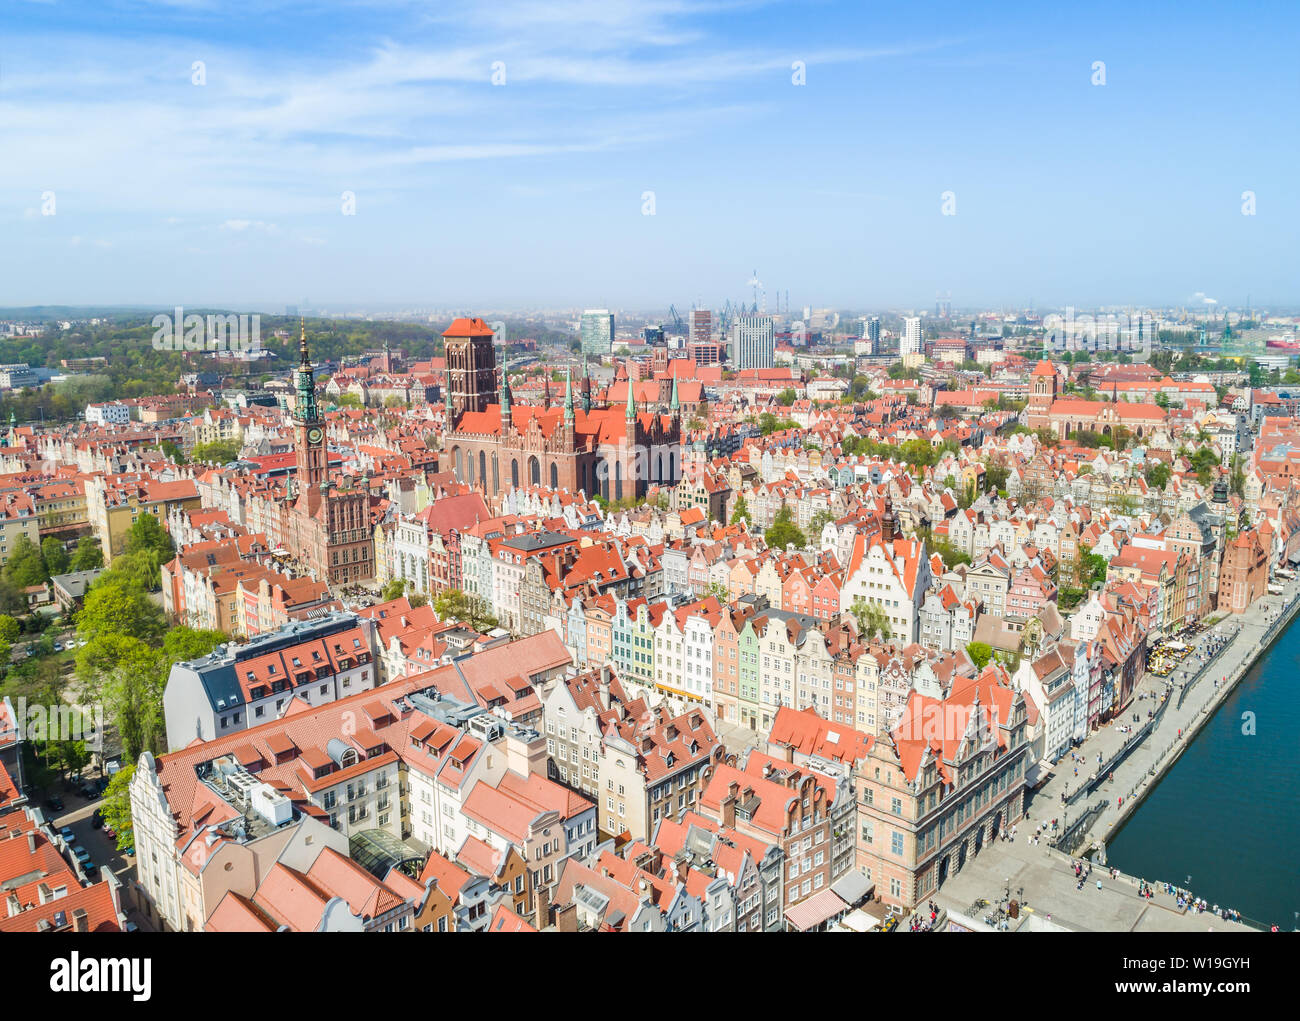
<point>1202,681</point>
<point>1041,874</point>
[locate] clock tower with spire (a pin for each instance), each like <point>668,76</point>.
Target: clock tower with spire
<point>308,428</point>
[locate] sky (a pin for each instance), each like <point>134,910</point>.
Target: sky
<point>597,153</point>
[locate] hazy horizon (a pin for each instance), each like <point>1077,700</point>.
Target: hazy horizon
<point>532,192</point>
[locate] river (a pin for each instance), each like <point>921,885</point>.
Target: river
<point>1227,814</point>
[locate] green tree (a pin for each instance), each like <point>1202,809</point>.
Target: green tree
<point>217,452</point>
<point>116,808</point>
<point>182,644</point>
<point>872,619</point>
<point>786,397</point>
<point>116,607</point>
<point>1157,474</point>
<point>26,566</point>
<point>12,599</point>
<point>980,653</point>
<point>1204,462</point>
<point>740,511</point>
<point>148,547</point>
<point>392,590</point>
<point>819,521</point>
<point>784,532</point>
<point>140,568</point>
<point>1237,481</point>
<point>9,628</point>
<point>148,534</point>
<point>472,610</point>
<point>132,693</point>
<point>55,556</point>
<point>87,556</point>
<point>171,450</point>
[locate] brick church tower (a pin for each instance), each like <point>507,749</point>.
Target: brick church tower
<point>1043,386</point>
<point>471,367</point>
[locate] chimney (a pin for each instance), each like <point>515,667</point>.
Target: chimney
<point>605,677</point>
<point>787,752</point>
<point>31,842</point>
<point>566,918</point>
<point>80,920</point>
<point>542,906</point>
<point>729,810</point>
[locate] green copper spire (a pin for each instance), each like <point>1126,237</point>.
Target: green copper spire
<point>568,396</point>
<point>675,404</point>
<point>631,403</point>
<point>305,382</point>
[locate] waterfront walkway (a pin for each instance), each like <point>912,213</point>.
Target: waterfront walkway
<point>1193,696</point>
<point>1044,878</point>
<point>1041,874</point>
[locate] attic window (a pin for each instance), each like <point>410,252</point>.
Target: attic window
<point>270,668</point>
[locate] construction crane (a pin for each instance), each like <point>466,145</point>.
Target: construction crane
<point>678,325</point>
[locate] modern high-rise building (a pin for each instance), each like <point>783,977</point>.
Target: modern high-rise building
<point>871,330</point>
<point>911,342</point>
<point>597,331</point>
<point>753,342</point>
<point>701,326</point>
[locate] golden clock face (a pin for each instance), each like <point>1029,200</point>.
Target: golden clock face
<point>314,435</point>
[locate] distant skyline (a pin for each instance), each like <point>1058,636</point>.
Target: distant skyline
<point>532,192</point>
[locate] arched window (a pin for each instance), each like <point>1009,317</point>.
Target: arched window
<point>555,476</point>
<point>482,466</point>
<point>534,471</point>
<point>514,473</point>
<point>459,462</point>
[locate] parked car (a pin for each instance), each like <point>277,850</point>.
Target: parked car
<point>67,834</point>
<point>132,927</point>
<point>55,802</point>
<point>110,832</point>
<point>97,820</point>
<point>58,646</point>
<point>81,854</point>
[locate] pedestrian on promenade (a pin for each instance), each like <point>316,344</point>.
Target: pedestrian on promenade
<point>1099,886</point>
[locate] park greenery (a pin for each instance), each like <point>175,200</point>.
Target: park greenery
<point>464,607</point>
<point>784,532</point>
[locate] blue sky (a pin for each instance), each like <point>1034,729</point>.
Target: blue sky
<point>529,193</point>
